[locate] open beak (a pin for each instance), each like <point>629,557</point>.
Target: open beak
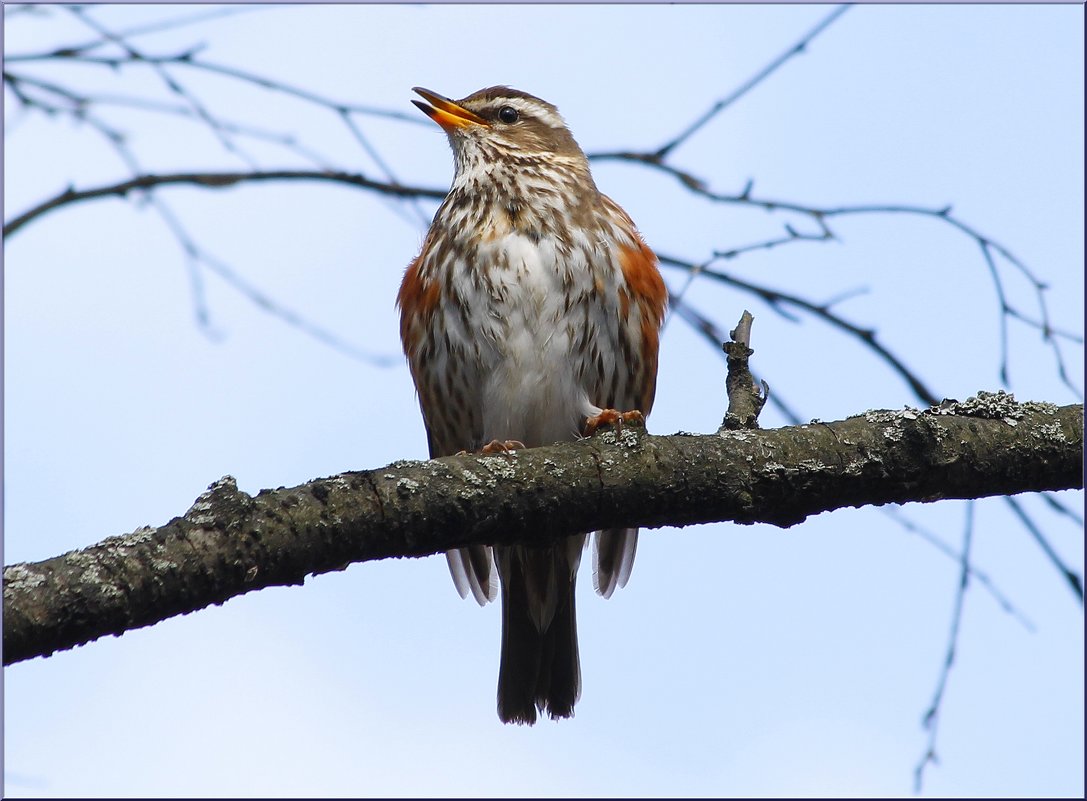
<point>445,112</point>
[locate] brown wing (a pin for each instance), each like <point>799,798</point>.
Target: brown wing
<point>643,300</point>
<point>643,313</point>
<point>448,414</point>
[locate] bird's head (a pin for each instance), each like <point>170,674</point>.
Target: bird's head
<point>501,124</point>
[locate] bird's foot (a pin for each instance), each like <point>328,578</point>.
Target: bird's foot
<point>502,446</point>
<point>612,417</point>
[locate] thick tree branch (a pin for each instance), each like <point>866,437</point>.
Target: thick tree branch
<point>230,543</point>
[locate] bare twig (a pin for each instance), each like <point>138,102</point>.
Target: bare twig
<point>820,215</point>
<point>751,83</point>
<point>931,720</point>
<point>196,256</point>
<point>170,24</point>
<point>898,515</point>
<point>24,87</point>
<point>382,165</point>
<point>171,83</point>
<point>1071,577</point>
<point>781,301</point>
<point>713,336</point>
<point>213,180</point>
<point>1062,509</point>
<point>745,400</point>
<point>188,60</point>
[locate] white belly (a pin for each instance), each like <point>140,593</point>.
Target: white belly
<point>535,385</point>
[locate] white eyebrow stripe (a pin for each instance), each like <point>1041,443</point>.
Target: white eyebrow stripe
<point>537,110</point>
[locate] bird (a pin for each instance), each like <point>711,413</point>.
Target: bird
<point>531,316</point>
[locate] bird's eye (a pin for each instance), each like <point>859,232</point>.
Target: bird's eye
<point>508,114</point>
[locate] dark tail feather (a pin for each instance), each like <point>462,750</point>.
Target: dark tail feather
<point>613,558</point>
<point>520,665</point>
<point>560,670</point>
<point>540,670</point>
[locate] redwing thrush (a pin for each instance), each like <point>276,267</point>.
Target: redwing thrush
<point>531,314</point>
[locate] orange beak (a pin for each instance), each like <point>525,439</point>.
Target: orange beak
<point>445,112</point>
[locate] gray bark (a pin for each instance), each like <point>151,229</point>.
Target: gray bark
<point>231,543</point>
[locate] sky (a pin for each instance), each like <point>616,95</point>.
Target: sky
<point>740,660</point>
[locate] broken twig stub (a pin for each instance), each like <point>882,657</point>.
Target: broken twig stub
<point>745,400</point>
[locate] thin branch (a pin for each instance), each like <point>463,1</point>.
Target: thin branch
<point>676,299</point>
<point>752,82</point>
<point>897,515</point>
<point>777,299</point>
<point>792,236</point>
<point>28,10</point>
<point>1048,331</point>
<point>170,24</point>
<point>931,720</point>
<point>171,83</point>
<point>81,102</point>
<point>214,180</point>
<point>1071,577</point>
<point>188,60</point>
<point>1062,509</point>
<point>197,256</point>
<point>382,165</point>
<point>820,216</point>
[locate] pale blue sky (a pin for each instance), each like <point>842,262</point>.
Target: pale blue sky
<point>739,661</point>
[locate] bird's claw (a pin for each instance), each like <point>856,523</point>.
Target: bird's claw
<point>612,417</point>
<point>502,446</point>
